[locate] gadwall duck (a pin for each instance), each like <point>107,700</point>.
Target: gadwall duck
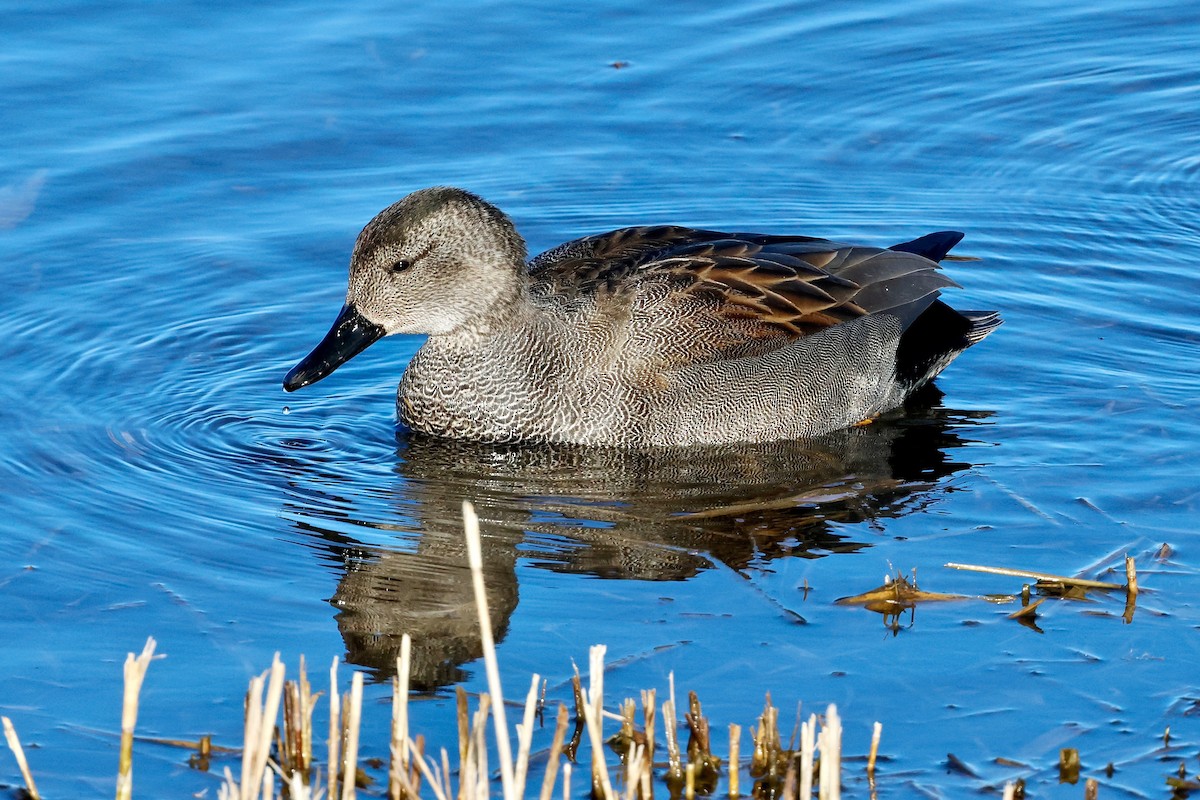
<point>641,337</point>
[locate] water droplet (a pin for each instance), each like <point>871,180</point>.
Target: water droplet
<point>287,410</point>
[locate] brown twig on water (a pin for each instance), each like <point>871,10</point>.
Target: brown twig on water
<point>1041,576</point>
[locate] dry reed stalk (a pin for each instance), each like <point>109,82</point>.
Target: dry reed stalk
<point>295,749</point>
<point>353,721</point>
<point>593,711</point>
<point>674,762</point>
<point>735,765</point>
<point>623,740</point>
<point>758,752</point>
<point>648,716</point>
<point>229,789</point>
<point>399,745</point>
<point>310,705</point>
<point>295,787</point>
<point>767,743</point>
<point>671,694</point>
<point>480,789</point>
<point>525,739</point>
<point>796,726</point>
<point>571,748</point>
<point>1041,576</point>
<point>789,780</point>
<point>135,673</point>
<point>556,745</point>
<point>567,781</point>
<point>475,561</point>
<point>1130,608</point>
<point>438,779</point>
<point>405,782</point>
<point>260,715</point>
<point>808,739</point>
<point>876,735</point>
<point>689,781</point>
<point>14,744</point>
<point>699,749</point>
<point>830,743</point>
<point>634,766</point>
<point>1010,791</point>
<point>596,678</point>
<point>427,767</point>
<point>697,746</point>
<point>648,777</point>
<point>464,722</point>
<point>1131,585</point>
<point>416,750</point>
<point>468,767</point>
<point>448,793</point>
<point>335,731</point>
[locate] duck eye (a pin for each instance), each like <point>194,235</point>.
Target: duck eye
<point>400,266</point>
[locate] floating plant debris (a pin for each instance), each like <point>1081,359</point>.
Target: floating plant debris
<point>897,594</point>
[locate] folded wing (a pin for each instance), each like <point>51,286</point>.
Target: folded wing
<point>762,285</point>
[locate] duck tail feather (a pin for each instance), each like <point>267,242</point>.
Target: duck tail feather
<point>933,246</point>
<point>982,324</point>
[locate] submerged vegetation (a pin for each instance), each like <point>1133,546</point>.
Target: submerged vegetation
<point>627,765</point>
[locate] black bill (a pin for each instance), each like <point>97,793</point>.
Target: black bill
<point>350,335</point>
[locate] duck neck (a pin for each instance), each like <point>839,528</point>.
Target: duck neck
<point>509,307</point>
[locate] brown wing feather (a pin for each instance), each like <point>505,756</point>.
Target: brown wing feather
<point>767,285</point>
<point>605,258</point>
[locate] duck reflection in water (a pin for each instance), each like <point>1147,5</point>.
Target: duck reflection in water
<point>661,515</point>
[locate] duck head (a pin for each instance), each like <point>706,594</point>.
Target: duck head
<point>438,261</point>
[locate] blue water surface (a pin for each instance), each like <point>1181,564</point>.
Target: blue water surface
<point>180,187</point>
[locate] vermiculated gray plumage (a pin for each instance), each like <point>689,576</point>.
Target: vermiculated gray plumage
<point>643,336</point>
